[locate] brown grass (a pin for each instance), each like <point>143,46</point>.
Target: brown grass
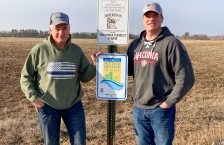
<point>200,115</point>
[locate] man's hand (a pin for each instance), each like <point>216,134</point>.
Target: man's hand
<point>94,55</point>
<point>164,105</point>
<point>38,103</point>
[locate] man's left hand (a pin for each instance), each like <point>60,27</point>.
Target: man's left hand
<point>94,55</point>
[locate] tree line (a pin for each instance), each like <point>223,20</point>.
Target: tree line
<point>42,34</point>
<point>187,35</point>
<point>90,35</point>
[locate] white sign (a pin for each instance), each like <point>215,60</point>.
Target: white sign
<point>113,20</point>
<point>111,77</point>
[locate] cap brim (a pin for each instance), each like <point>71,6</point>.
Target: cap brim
<point>59,22</point>
<point>151,11</point>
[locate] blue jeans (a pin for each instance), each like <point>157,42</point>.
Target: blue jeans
<point>154,126</point>
<point>74,119</point>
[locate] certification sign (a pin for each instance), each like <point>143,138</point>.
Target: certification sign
<point>113,17</point>
<point>111,77</point>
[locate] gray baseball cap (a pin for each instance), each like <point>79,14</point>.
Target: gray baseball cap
<point>59,18</point>
<point>155,7</point>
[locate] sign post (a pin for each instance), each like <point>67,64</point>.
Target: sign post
<point>112,30</point>
<point>111,110</point>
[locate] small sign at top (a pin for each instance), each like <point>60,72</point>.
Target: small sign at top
<point>113,22</point>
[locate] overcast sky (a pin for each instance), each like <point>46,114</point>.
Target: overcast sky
<point>180,16</point>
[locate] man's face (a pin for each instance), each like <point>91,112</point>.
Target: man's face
<point>152,21</point>
<point>60,33</point>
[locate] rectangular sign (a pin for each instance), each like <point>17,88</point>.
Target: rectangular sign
<point>111,77</point>
<point>113,22</point>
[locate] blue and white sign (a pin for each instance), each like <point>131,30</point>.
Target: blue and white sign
<point>111,77</point>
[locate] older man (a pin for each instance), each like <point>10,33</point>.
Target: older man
<point>51,79</point>
<point>162,73</point>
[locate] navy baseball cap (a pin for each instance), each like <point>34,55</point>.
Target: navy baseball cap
<point>59,18</point>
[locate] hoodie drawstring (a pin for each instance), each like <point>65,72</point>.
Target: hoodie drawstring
<point>153,43</point>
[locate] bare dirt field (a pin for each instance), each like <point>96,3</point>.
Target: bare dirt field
<point>200,115</point>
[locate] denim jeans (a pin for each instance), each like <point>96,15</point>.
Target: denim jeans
<point>154,126</point>
<point>74,119</point>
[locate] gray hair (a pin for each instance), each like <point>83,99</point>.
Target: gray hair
<point>54,26</point>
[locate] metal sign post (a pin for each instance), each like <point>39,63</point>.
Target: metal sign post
<point>111,110</point>
<point>111,121</point>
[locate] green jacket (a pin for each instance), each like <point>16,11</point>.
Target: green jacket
<point>53,75</point>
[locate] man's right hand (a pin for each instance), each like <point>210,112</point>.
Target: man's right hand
<point>38,103</point>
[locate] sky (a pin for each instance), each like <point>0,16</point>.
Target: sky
<point>193,16</point>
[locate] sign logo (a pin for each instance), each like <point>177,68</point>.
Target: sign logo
<point>143,63</point>
<point>101,90</point>
<point>111,23</point>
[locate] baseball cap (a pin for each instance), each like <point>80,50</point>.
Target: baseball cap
<point>59,18</point>
<point>155,7</point>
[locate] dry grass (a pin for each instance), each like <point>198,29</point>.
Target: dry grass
<point>200,115</point>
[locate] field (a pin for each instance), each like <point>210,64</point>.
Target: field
<point>200,115</point>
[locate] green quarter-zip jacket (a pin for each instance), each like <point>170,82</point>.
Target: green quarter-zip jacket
<point>161,69</point>
<point>53,75</point>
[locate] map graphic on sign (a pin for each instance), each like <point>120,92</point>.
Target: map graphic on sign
<point>111,23</point>
<point>112,73</point>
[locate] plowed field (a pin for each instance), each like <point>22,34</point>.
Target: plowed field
<point>200,115</point>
